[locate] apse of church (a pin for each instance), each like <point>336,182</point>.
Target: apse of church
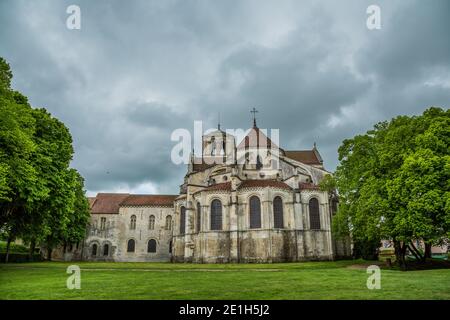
<point>243,199</point>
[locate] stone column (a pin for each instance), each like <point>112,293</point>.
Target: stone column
<point>234,226</point>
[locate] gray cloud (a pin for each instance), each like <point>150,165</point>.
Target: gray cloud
<point>137,71</point>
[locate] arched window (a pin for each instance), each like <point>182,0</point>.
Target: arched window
<point>151,222</point>
<point>94,249</point>
<point>278,213</point>
<point>169,223</point>
<point>151,246</point>
<point>133,222</point>
<point>255,213</point>
<point>182,220</point>
<point>105,249</point>
<point>216,215</point>
<point>199,216</point>
<point>314,216</point>
<point>131,245</point>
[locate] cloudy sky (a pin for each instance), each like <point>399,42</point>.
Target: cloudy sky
<point>137,70</point>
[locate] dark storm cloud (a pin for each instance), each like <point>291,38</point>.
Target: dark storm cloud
<point>138,70</point>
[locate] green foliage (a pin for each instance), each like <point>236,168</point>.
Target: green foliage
<point>14,248</point>
<point>394,181</point>
<point>328,183</point>
<point>41,197</point>
<point>366,249</point>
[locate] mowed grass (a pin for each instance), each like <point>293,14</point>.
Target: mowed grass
<point>307,280</point>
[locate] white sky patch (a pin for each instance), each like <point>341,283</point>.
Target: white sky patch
<point>438,82</point>
<point>347,114</point>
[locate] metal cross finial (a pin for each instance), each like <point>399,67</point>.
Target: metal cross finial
<point>254,111</point>
<point>218,123</point>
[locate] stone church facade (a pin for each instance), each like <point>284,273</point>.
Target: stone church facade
<point>240,203</point>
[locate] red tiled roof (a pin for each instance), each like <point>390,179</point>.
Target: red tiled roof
<point>223,186</point>
<point>255,139</point>
<point>310,186</point>
<point>149,200</point>
<point>108,202</point>
<point>304,156</point>
<point>91,201</point>
<point>263,183</point>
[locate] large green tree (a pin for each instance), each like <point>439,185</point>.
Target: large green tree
<point>41,197</point>
<point>394,183</point>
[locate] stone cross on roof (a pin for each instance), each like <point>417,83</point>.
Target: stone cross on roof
<point>254,111</point>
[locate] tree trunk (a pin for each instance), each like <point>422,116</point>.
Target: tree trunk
<point>49,253</point>
<point>400,251</point>
<point>32,247</point>
<point>8,244</point>
<point>416,252</point>
<point>427,254</point>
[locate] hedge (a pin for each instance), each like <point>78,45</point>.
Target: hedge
<point>19,257</point>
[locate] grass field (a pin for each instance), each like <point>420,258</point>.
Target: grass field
<point>308,280</point>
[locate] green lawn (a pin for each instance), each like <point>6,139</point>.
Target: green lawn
<point>308,280</point>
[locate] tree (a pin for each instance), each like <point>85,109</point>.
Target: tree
<point>393,182</point>
<point>41,197</point>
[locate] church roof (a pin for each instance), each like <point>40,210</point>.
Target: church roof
<point>91,201</point>
<point>149,200</point>
<point>200,165</point>
<point>108,203</point>
<point>311,157</point>
<point>224,186</point>
<point>308,186</point>
<point>263,183</point>
<point>256,139</point>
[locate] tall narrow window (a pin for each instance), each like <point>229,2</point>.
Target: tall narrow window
<point>151,246</point>
<point>182,220</point>
<point>259,163</point>
<point>102,223</point>
<point>94,250</point>
<point>216,215</point>
<point>133,222</point>
<point>170,246</point>
<point>278,213</point>
<point>334,206</point>
<point>105,250</point>
<point>131,245</point>
<point>314,215</point>
<point>199,216</point>
<point>169,223</point>
<point>213,146</point>
<point>255,213</point>
<point>151,222</point>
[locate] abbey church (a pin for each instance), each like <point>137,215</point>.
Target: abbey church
<point>240,201</point>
